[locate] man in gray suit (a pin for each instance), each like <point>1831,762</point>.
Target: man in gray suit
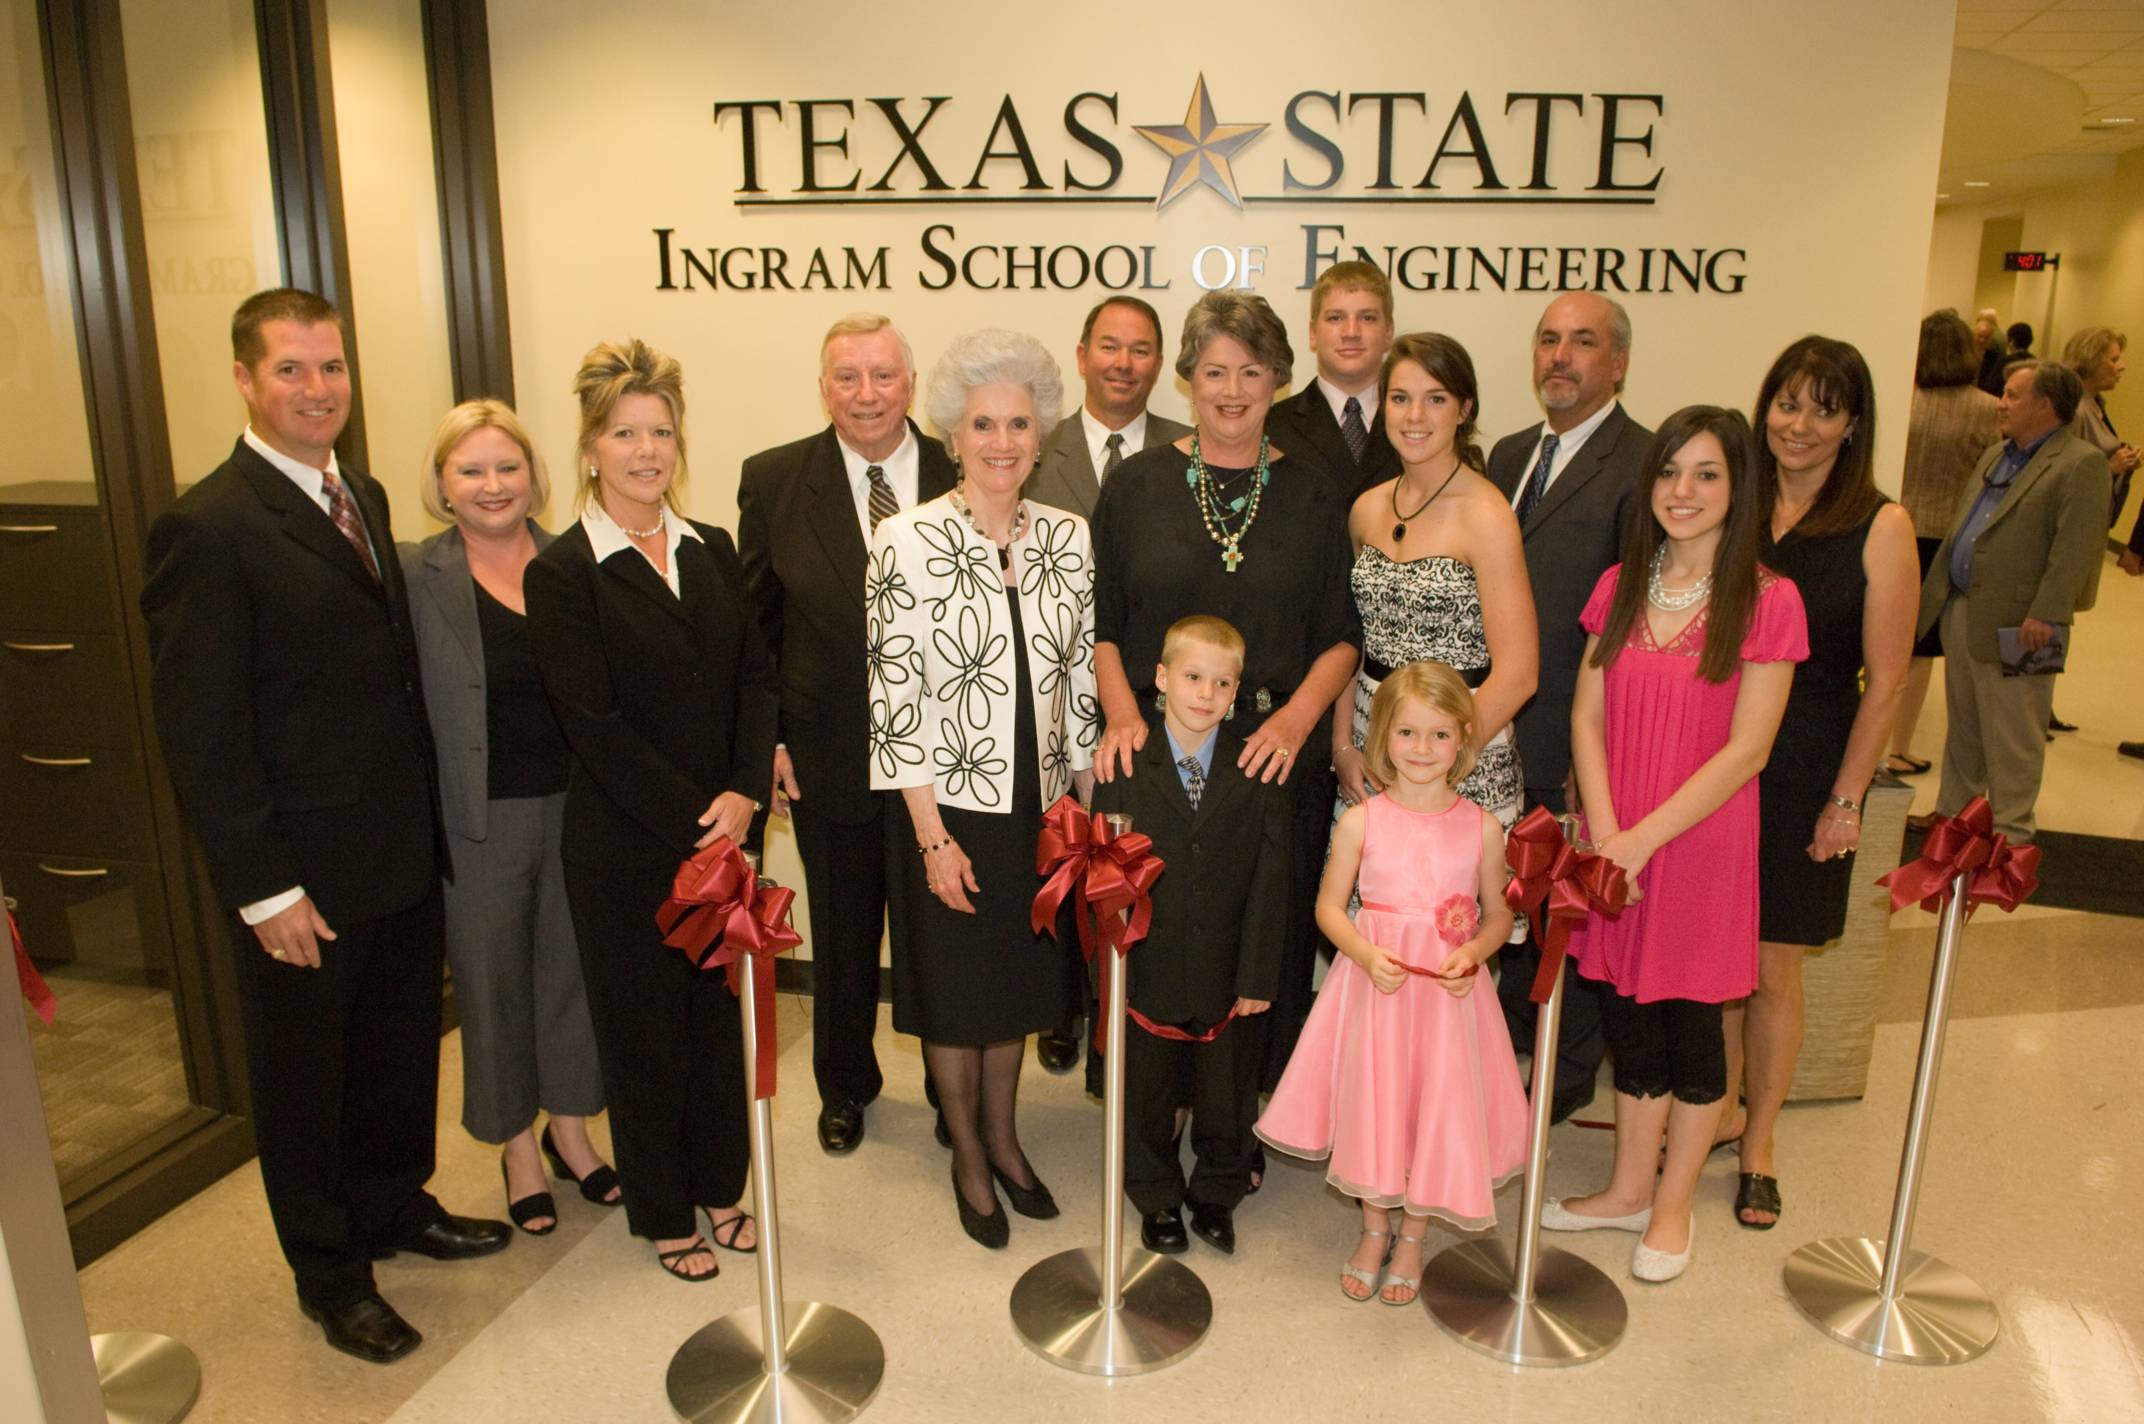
<point>2024,558</point>
<point>1568,478</point>
<point>1119,358</point>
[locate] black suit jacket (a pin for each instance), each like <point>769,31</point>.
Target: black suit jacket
<point>1303,426</point>
<point>1574,535</point>
<point>287,696</point>
<point>804,566</point>
<point>1220,909</point>
<point>666,699</point>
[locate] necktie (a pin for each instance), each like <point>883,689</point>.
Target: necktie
<point>882,501</point>
<point>1352,430</point>
<point>1115,442</point>
<point>343,510</point>
<point>1194,780</point>
<point>1537,485</point>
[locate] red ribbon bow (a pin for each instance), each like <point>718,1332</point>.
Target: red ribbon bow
<point>1998,873</point>
<point>721,914</point>
<point>1558,884</point>
<point>33,983</point>
<point>1112,874</point>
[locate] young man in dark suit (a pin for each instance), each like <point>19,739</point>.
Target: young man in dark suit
<point>286,690</point>
<point>805,512</point>
<point>1568,479</point>
<point>1211,956</point>
<point>1337,421</point>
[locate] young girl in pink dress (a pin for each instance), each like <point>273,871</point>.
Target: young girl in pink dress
<point>1679,697</point>
<point>1404,1075</point>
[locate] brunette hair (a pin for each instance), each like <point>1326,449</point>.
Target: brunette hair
<point>1436,686</point>
<point>1734,564</point>
<point>611,372</point>
<point>1205,630</point>
<point>1946,356</point>
<point>1129,303</point>
<point>277,304</point>
<point>459,424</point>
<point>1351,277</point>
<point>1831,373</point>
<point>1448,364</point>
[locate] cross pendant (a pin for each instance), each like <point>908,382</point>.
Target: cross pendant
<point>1231,556</point>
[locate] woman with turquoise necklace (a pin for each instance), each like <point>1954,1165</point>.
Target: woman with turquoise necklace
<point>1222,523</point>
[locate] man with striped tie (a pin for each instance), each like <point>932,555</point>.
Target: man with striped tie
<point>805,512</point>
<point>1337,421</point>
<point>1567,477</point>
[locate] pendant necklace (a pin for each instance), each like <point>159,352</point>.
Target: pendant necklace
<point>1669,600</point>
<point>1215,509</point>
<point>1399,529</point>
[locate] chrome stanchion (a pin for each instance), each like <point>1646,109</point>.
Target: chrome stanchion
<point>1544,1305</point>
<point>1882,1296</point>
<point>1092,1311</point>
<point>796,1362</point>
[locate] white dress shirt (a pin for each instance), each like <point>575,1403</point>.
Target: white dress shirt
<point>899,469</point>
<point>1134,433</point>
<point>1337,399</point>
<point>1568,445</point>
<point>606,538</point>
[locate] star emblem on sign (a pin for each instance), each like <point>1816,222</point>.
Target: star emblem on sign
<point>1199,149</point>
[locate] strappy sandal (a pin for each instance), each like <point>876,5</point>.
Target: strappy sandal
<point>725,1233</point>
<point>1757,1192</point>
<point>1912,766</point>
<point>1369,1279</point>
<point>1410,1284</point>
<point>671,1261</point>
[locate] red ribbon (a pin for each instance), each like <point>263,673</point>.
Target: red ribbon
<point>1998,873</point>
<point>1174,1034</point>
<point>1559,884</point>
<point>722,914</point>
<point>1112,874</point>
<point>34,987</point>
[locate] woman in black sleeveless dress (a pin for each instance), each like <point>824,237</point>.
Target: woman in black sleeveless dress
<point>1850,552</point>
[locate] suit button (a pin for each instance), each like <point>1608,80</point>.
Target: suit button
<point>408,686</point>
<point>1196,847</point>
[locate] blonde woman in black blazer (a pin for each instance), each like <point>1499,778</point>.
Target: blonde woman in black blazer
<point>660,677</point>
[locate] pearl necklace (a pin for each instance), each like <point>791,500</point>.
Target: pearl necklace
<point>1674,600</point>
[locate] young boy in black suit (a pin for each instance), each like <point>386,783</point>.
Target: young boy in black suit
<point>1212,955</point>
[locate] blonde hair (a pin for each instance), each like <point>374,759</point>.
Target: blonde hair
<point>609,373</point>
<point>458,425</point>
<point>1437,687</point>
<point>863,324</point>
<point>1351,277</point>
<point>1205,630</point>
<point>2091,349</point>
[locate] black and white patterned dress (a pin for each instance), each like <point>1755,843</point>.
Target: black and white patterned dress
<point>1431,608</point>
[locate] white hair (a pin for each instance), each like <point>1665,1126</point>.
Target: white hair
<point>986,358</point>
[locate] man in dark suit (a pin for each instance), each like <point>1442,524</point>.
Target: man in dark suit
<point>287,702</point>
<point>1120,356</point>
<point>1568,478</point>
<point>805,512</point>
<point>1337,421</point>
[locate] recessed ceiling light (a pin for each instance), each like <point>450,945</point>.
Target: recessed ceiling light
<point>1975,183</point>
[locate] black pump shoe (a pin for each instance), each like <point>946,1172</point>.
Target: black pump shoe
<point>993,1230</point>
<point>1035,1201</point>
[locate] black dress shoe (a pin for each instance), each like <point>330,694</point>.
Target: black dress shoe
<point>993,1230</point>
<point>367,1328</point>
<point>1215,1225</point>
<point>1057,1049</point>
<point>2131,749</point>
<point>1163,1231</point>
<point>2056,724</point>
<point>841,1126</point>
<point>453,1238</point>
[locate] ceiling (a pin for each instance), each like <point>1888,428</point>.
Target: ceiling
<point>2038,88</point>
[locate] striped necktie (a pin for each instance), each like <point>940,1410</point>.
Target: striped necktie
<point>882,501</point>
<point>1352,429</point>
<point>1537,485</point>
<point>343,510</point>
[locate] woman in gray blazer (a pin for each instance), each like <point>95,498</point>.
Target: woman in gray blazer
<point>527,1044</point>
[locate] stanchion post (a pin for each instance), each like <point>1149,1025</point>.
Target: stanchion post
<point>1084,1309</point>
<point>1883,1297</point>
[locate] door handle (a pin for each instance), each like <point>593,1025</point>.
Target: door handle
<point>98,874</point>
<point>55,761</point>
<point>29,529</point>
<point>15,647</point>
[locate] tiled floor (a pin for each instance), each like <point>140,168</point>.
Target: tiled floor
<point>108,1067</point>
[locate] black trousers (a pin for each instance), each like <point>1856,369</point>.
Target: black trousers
<point>344,1066</point>
<point>672,1052</point>
<point>1224,1103</point>
<point>1580,1046</point>
<point>845,873</point>
<point>1309,832</point>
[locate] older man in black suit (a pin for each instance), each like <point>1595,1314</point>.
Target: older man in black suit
<point>287,702</point>
<point>1337,421</point>
<point>1568,478</point>
<point>805,512</point>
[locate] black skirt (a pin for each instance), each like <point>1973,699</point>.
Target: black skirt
<point>986,977</point>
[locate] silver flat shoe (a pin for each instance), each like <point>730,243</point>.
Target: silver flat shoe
<point>1410,1284</point>
<point>1557,1217</point>
<point>1650,1265</point>
<point>1370,1279</point>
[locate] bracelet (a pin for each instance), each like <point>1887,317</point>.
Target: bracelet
<point>1841,801</point>
<point>927,849</point>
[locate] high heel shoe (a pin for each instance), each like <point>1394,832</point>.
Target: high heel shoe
<point>993,1230</point>
<point>1035,1201</point>
<point>528,1208</point>
<point>597,1186</point>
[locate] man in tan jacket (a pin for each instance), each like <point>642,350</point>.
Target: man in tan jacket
<point>2024,555</point>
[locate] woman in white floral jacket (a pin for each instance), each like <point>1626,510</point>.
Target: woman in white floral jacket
<point>981,649</point>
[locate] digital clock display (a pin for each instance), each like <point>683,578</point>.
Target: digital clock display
<point>2030,261</point>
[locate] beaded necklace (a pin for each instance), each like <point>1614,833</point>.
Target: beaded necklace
<point>1019,525</point>
<point>1215,509</point>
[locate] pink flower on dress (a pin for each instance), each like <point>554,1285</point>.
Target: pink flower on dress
<point>1458,919</point>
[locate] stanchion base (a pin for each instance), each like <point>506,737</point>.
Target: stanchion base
<point>1940,1316</point>
<point>1577,1313</point>
<point>147,1379</point>
<point>835,1365</point>
<point>1056,1307</point>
